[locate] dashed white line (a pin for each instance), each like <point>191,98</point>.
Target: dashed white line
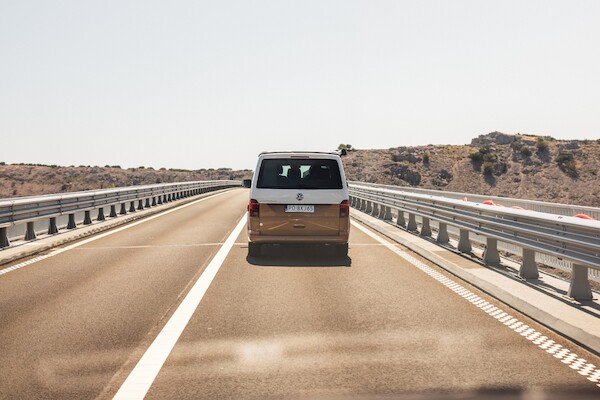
<point>564,355</point>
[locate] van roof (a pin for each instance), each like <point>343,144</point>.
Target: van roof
<point>303,153</point>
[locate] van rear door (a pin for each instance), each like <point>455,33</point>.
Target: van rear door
<point>300,196</point>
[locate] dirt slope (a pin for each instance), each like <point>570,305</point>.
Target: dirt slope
<point>528,167</point>
<point>518,166</point>
<point>26,180</point>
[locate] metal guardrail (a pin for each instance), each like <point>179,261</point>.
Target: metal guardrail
<point>567,238</point>
<point>27,210</point>
<point>533,205</point>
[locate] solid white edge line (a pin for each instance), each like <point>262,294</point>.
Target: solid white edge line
<point>143,374</point>
<point>100,236</point>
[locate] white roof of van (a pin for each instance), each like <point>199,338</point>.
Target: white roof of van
<point>298,153</point>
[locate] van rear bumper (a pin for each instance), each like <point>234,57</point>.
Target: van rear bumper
<point>339,239</point>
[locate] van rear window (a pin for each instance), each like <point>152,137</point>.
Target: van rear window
<point>299,173</point>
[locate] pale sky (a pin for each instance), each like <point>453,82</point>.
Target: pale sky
<point>209,84</point>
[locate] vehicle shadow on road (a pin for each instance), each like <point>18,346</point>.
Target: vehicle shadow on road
<point>299,256</point>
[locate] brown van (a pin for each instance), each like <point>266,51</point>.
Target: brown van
<point>298,197</point>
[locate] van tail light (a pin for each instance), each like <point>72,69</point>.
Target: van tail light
<point>253,208</point>
<point>344,208</point>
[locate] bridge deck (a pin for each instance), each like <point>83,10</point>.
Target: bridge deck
<point>292,323</point>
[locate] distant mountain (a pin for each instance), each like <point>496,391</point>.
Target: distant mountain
<point>498,164</point>
<point>18,180</point>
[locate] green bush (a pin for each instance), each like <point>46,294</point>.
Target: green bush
<point>567,164</point>
<point>541,145</point>
<point>490,157</point>
<point>426,158</point>
<point>485,149</point>
<point>526,151</point>
<point>488,168</point>
<point>476,156</point>
<point>516,145</point>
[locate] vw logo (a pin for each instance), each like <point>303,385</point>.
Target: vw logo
<point>299,196</point>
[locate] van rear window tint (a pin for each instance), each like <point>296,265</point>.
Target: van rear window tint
<point>298,173</point>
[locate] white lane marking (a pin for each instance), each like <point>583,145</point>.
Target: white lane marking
<point>151,246</point>
<point>542,342</point>
<point>86,241</point>
<point>143,374</point>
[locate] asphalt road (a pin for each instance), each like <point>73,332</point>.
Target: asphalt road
<point>295,323</point>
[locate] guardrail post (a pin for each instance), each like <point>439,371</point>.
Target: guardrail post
<point>132,206</point>
<point>153,201</point>
<point>369,208</point>
<point>113,211</point>
<point>579,289</point>
<point>442,236</point>
<point>490,254</point>
<point>123,210</point>
<point>101,216</point>
<point>464,244</point>
<point>30,234</point>
<point>425,227</point>
<point>159,200</point>
<point>375,210</point>
<point>363,205</point>
<point>412,223</point>
<point>387,215</point>
<point>528,268</point>
<point>140,204</point>
<point>4,242</point>
<point>72,224</point>
<point>87,219</point>
<point>400,220</point>
<point>52,228</point>
<point>381,211</point>
<point>147,205</point>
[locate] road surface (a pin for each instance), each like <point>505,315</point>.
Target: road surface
<point>294,323</point>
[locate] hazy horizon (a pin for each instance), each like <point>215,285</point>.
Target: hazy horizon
<point>196,84</point>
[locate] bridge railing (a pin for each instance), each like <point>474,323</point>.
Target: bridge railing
<point>564,237</point>
<point>533,205</point>
<point>35,209</point>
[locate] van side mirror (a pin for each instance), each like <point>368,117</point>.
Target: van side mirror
<point>247,183</point>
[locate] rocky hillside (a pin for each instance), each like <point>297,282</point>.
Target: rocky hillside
<point>527,167</point>
<point>25,179</point>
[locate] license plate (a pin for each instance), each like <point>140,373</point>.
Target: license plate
<point>300,208</point>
